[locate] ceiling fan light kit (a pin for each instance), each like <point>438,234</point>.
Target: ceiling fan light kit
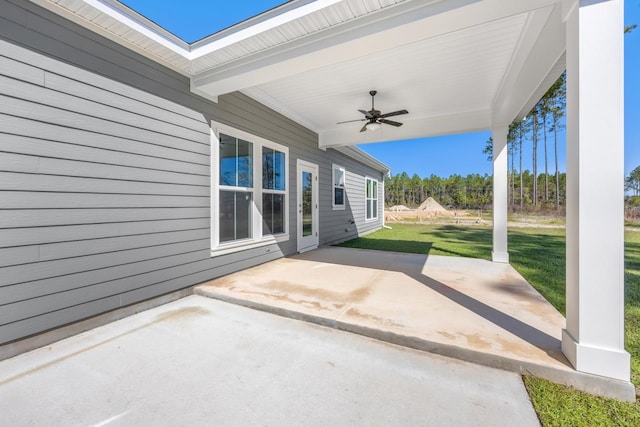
<point>375,118</point>
<point>373,126</point>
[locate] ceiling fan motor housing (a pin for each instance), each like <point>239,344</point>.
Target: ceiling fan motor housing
<point>375,117</point>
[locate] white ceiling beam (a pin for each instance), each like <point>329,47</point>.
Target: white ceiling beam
<point>389,28</point>
<point>349,134</point>
<point>536,66</point>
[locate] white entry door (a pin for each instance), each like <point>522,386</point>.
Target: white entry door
<point>307,177</point>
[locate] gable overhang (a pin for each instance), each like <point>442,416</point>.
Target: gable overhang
<point>457,65</point>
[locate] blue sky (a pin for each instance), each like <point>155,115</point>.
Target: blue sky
<point>192,20</point>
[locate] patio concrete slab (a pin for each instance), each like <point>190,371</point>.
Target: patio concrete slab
<point>198,361</point>
<point>470,309</point>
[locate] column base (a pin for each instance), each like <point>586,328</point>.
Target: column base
<point>605,362</point>
<point>500,257</point>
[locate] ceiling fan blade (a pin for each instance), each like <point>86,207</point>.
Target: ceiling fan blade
<point>351,121</point>
<point>395,113</point>
<point>364,128</point>
<point>366,114</point>
<point>390,122</point>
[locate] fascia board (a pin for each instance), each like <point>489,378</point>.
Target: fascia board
<point>156,33</point>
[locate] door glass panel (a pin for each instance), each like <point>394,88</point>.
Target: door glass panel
<point>307,204</point>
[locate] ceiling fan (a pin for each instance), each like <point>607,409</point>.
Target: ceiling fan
<point>375,118</point>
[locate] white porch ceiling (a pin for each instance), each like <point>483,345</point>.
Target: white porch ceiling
<point>439,76</point>
<point>455,65</point>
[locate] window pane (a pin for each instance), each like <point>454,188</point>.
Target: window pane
<point>278,213</point>
<point>375,208</point>
<point>338,177</point>
<point>273,169</point>
<point>243,215</point>
<point>272,213</point>
<point>235,215</point>
<point>227,215</point>
<point>338,196</point>
<point>267,214</point>
<point>374,191</point>
<point>236,162</point>
<point>368,209</point>
<point>267,168</point>
<point>245,164</point>
<point>279,178</point>
<point>368,188</point>
<point>228,160</point>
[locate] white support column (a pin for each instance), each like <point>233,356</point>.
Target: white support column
<point>594,338</point>
<point>500,194</point>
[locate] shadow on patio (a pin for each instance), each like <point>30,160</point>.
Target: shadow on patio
<point>466,308</point>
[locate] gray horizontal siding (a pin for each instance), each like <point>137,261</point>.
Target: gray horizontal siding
<point>61,250</point>
<point>49,217</point>
<point>104,175</point>
<point>38,139</point>
<point>59,200</point>
<point>92,122</point>
<point>46,320</point>
<point>336,225</point>
<point>85,184</point>
<point>141,123</point>
<point>10,237</point>
<point>47,166</point>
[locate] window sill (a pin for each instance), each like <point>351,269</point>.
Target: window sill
<point>338,208</point>
<point>251,244</point>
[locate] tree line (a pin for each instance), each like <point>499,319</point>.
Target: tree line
<point>464,192</point>
<point>632,182</point>
<point>540,127</point>
<point>538,130</point>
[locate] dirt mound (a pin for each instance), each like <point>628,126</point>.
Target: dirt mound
<point>429,210</point>
<point>430,205</point>
<point>398,208</point>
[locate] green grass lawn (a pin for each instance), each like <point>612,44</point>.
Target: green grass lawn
<point>539,255</point>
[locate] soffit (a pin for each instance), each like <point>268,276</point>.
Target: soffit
<point>456,65</point>
<point>131,29</point>
<point>443,75</point>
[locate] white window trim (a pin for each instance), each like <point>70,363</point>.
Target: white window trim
<point>333,188</point>
<point>258,239</point>
<point>373,218</point>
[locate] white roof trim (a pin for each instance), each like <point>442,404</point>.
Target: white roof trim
<point>133,21</point>
<point>147,28</point>
<point>260,27</point>
<point>358,154</point>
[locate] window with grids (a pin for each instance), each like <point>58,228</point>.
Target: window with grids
<point>339,191</point>
<point>249,191</point>
<point>371,197</point>
<point>273,191</point>
<point>236,189</point>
